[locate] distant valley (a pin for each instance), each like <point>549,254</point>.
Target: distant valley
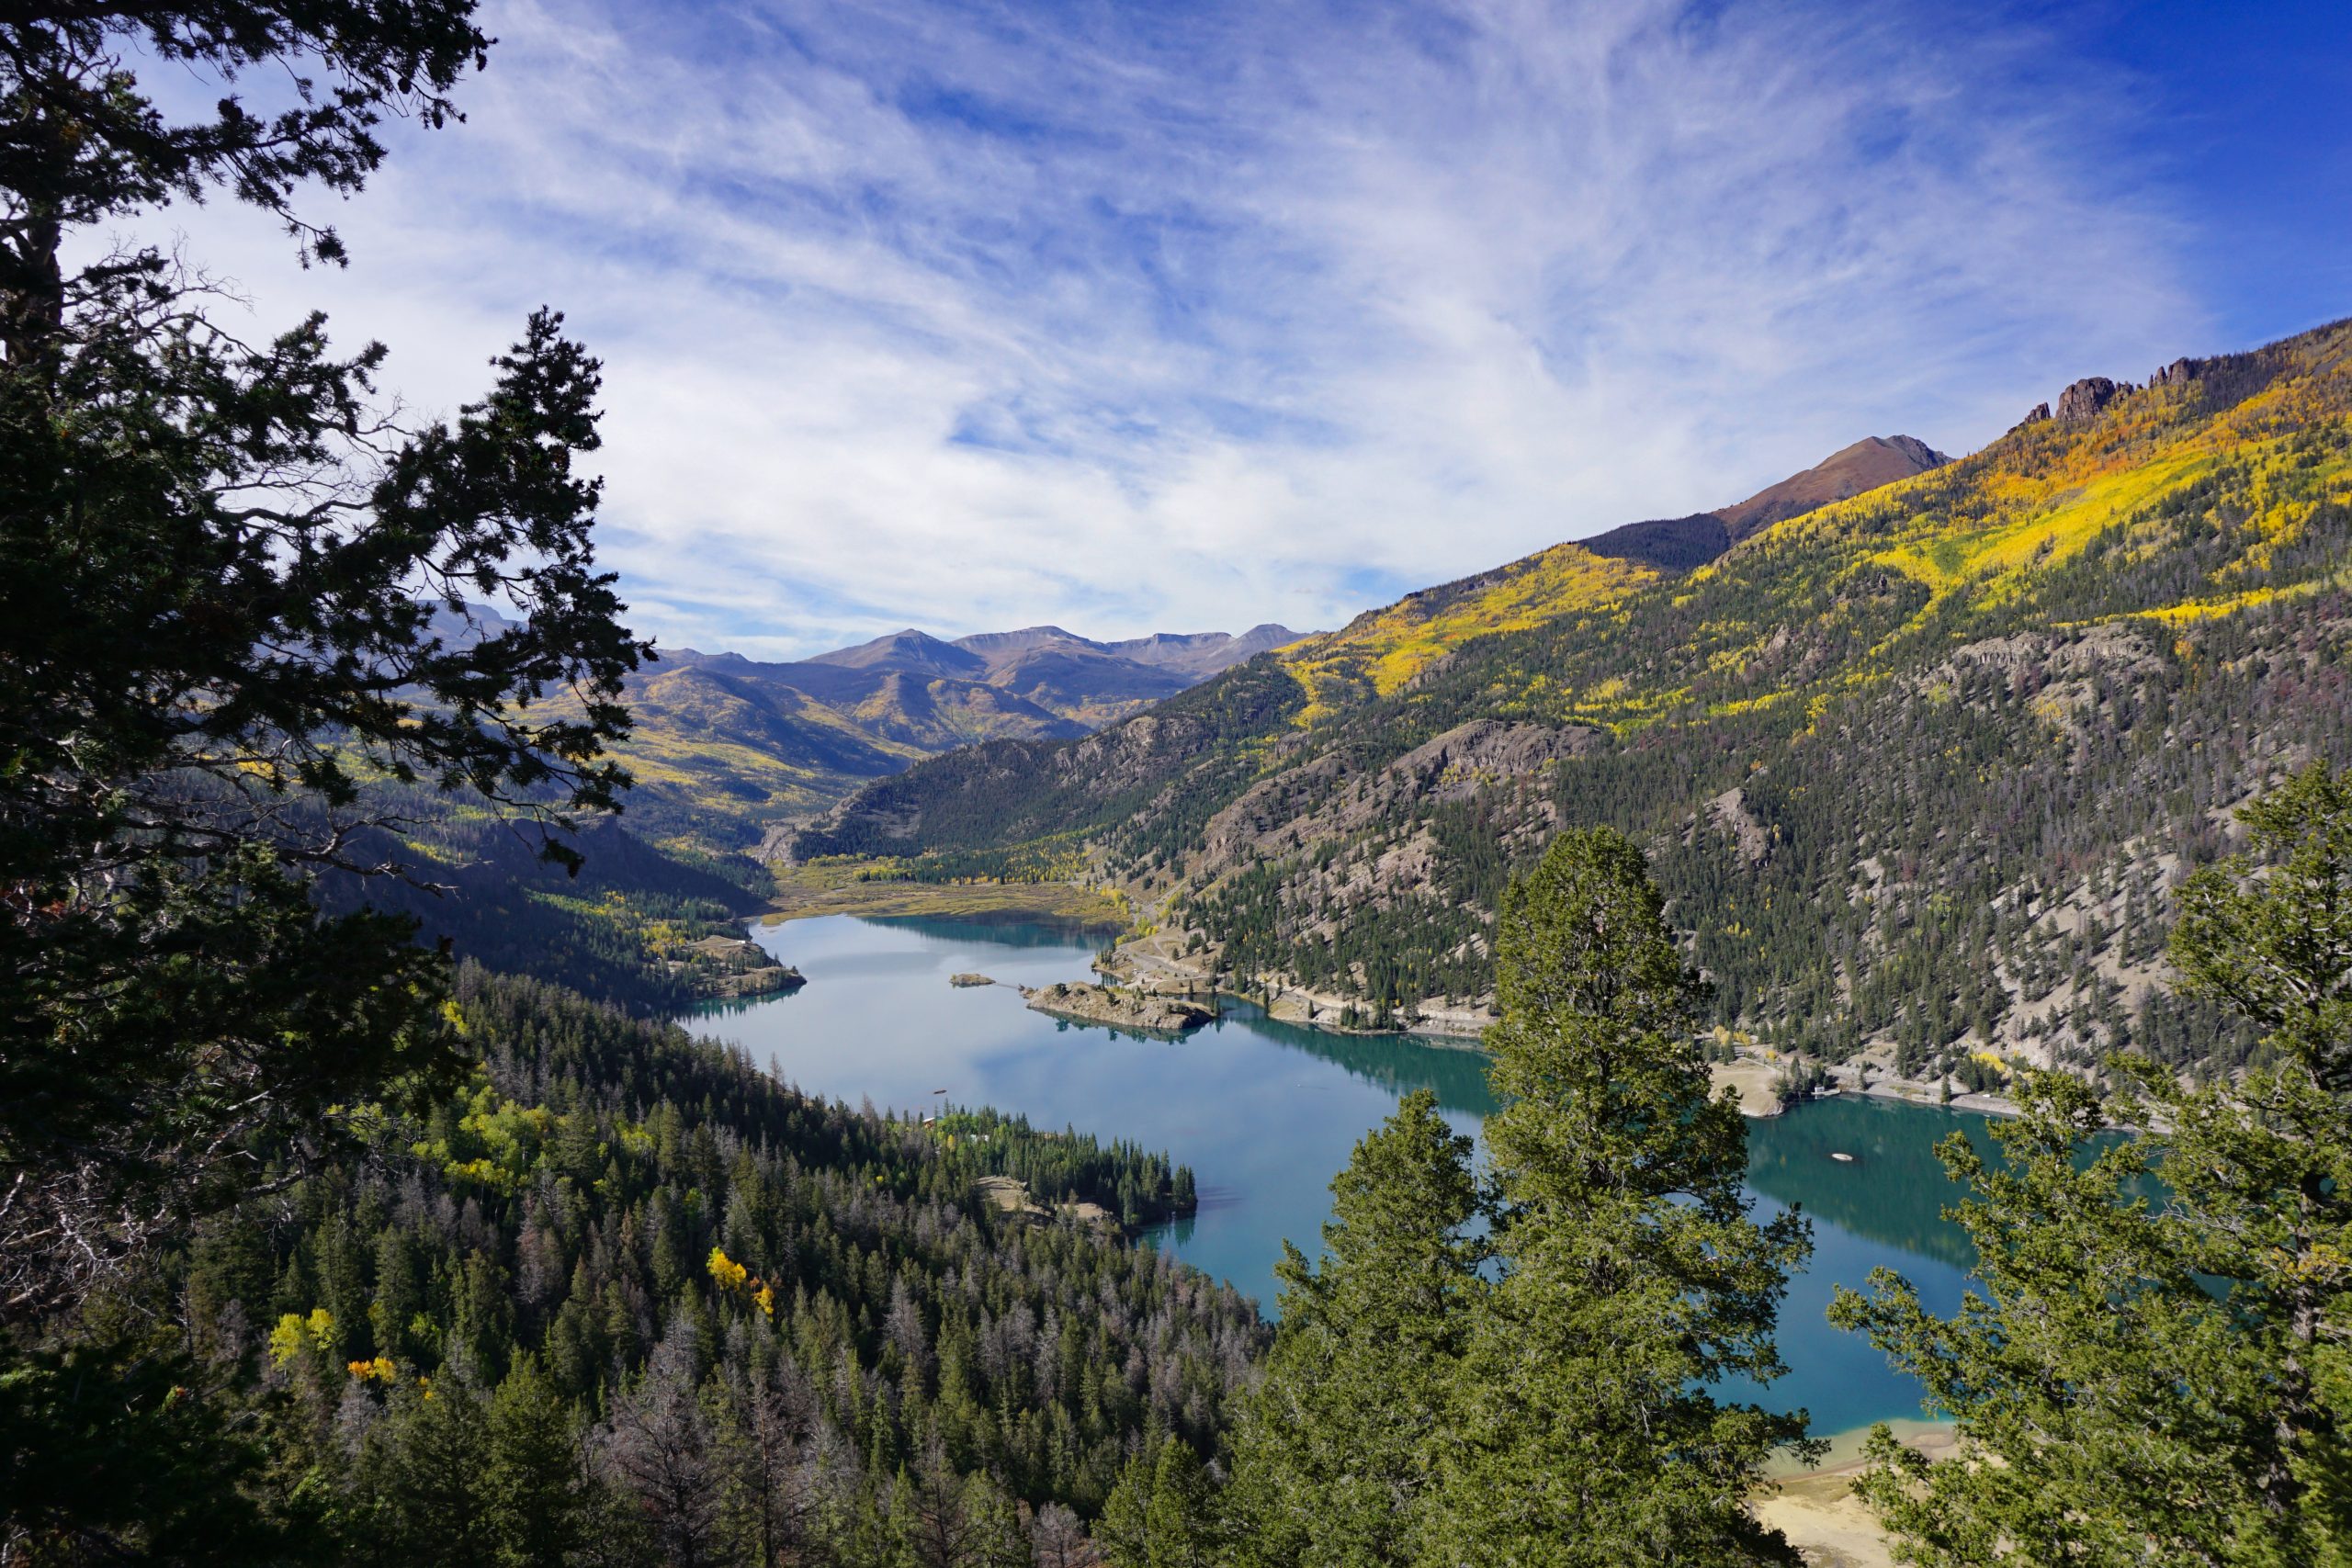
<point>724,744</point>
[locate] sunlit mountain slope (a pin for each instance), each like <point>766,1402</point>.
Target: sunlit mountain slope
<point>1919,764</point>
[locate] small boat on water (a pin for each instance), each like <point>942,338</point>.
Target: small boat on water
<point>1841,1157</point>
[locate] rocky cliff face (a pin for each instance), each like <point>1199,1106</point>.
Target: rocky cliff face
<point>2084,401</point>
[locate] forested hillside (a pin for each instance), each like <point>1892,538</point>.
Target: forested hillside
<point>633,925</point>
<point>622,1294</point>
<point>1919,767</point>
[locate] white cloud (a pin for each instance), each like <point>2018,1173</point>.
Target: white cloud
<point>1135,321</point>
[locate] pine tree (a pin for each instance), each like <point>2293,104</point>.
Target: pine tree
<point>1334,1453</point>
<point>2160,1374</point>
<point>1180,1527</point>
<point>1633,1274</point>
<point>1162,1513</point>
<point>538,1492</point>
<point>426,1472</point>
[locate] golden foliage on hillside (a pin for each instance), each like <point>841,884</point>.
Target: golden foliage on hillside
<point>1379,651</point>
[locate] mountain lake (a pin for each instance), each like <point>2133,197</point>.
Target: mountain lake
<point>1266,1114</point>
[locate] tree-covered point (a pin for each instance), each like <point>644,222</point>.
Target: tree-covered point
<point>1135,1185</point>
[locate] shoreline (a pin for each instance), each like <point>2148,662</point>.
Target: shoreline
<point>1934,1439</point>
<point>1815,1507</point>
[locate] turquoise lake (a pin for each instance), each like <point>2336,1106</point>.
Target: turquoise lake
<point>1266,1112</point>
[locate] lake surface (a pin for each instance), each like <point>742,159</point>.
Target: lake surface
<point>1266,1114</point>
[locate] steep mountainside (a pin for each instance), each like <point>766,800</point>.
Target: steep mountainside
<point>1380,650</point>
<point>1919,765</point>
<point>643,930</point>
<point>726,744</point>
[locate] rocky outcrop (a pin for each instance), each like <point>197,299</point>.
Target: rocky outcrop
<point>969,980</point>
<point>2083,401</point>
<point>1453,763</point>
<point>1011,1195</point>
<point>2112,648</point>
<point>1118,1008</point>
<point>775,842</point>
<point>2086,400</point>
<point>1749,840</point>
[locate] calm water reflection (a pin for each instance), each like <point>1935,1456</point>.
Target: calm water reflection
<point>1266,1112</point>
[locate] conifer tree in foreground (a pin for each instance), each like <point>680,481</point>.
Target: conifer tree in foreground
<point>2160,1375</point>
<point>1334,1456</point>
<point>1416,1411</point>
<point>234,592</point>
<point>236,607</point>
<point>1634,1276</point>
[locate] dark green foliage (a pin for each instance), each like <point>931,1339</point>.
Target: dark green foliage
<point>229,596</point>
<point>183,1019</point>
<point>648,1283</point>
<point>107,1450</point>
<point>1334,1454</point>
<point>1539,1394</point>
<point>1162,1514</point>
<point>2279,953</point>
<point>2159,1373</point>
<point>1633,1276</point>
<point>1670,544</point>
<point>91,145</point>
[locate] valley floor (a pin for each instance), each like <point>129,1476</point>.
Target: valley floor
<point>806,891</point>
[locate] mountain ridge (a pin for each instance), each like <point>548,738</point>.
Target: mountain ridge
<point>724,744</point>
<point>1681,544</point>
<point>1919,764</point>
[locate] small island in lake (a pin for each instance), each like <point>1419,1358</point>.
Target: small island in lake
<point>969,980</point>
<point>1118,1006</point>
<point>730,967</point>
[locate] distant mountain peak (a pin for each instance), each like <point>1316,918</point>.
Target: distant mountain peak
<point>1681,544</point>
<point>911,651</point>
<point>1007,659</point>
<point>1205,654</point>
<point>1866,464</point>
<point>986,643</point>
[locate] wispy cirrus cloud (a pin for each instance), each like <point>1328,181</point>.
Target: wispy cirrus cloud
<point>1158,318</point>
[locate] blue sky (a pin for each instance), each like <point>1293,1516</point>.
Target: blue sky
<point>1155,316</point>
